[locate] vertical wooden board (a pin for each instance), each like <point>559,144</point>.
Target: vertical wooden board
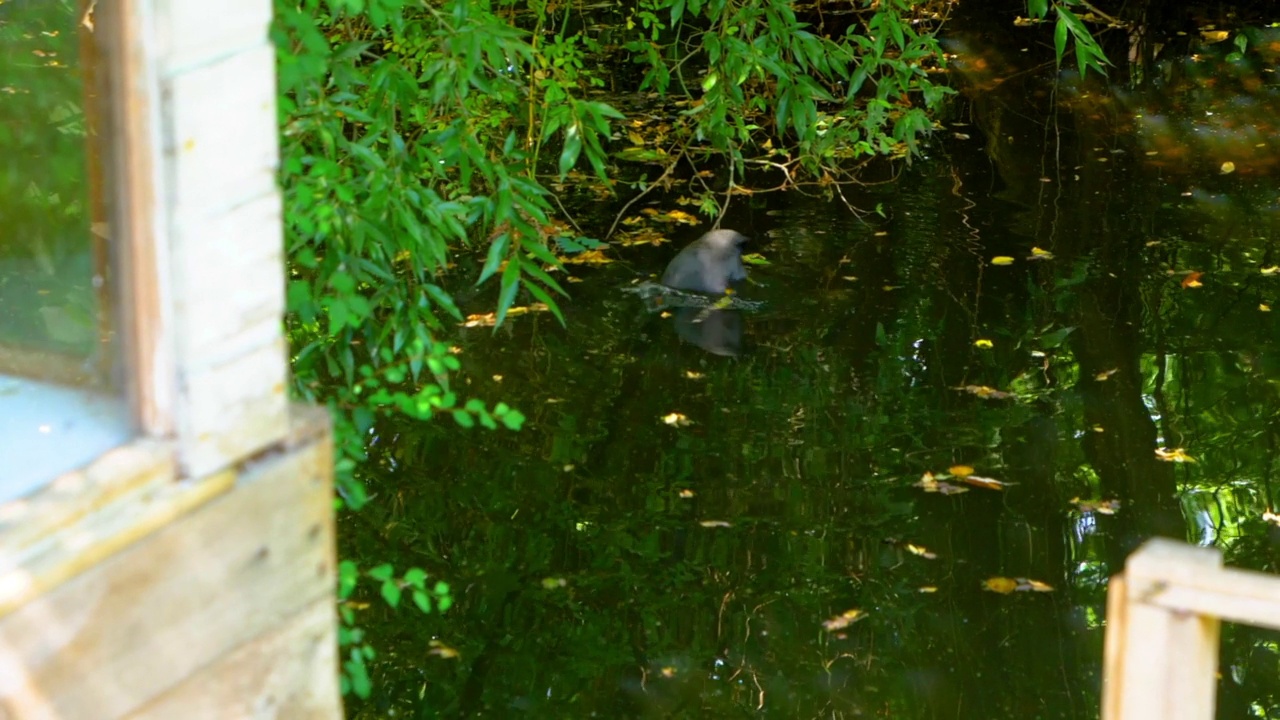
<point>221,142</point>
<point>192,33</point>
<point>233,410</point>
<point>230,281</point>
<point>1114,650</point>
<point>152,615</point>
<point>1170,658</point>
<point>291,672</point>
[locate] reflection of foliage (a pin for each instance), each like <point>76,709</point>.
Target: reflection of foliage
<point>44,226</point>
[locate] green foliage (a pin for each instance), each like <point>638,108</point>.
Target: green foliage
<point>1089,55</point>
<point>777,92</point>
<point>351,638</point>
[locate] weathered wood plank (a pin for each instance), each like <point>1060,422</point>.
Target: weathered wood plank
<point>143,620</point>
<point>221,144</point>
<point>195,33</point>
<point>244,244</point>
<point>1170,658</point>
<point>233,410</point>
<point>1230,594</point>
<point>289,673</point>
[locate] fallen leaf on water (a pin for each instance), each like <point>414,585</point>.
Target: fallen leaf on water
<point>668,672</point>
<point>1106,374</point>
<point>675,419</point>
<point>693,375</point>
<point>927,589</point>
<point>590,257</point>
<point>1102,507</point>
<point>983,343</point>
<point>920,551</point>
<point>960,470</point>
<point>1002,585</point>
<point>1271,270</point>
<point>1002,260</point>
<point>1228,167</point>
<point>985,482</point>
<point>1175,455</point>
<point>1214,36</point>
<point>1040,254</point>
<point>686,493</point>
<point>1192,280</point>
<point>929,484</point>
<point>1263,307</point>
<point>439,649</point>
<point>844,619</point>
<point>490,319</point>
<point>986,393</point>
<point>714,523</point>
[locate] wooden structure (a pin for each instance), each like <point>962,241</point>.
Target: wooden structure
<point>188,572</point>
<point>1163,618</point>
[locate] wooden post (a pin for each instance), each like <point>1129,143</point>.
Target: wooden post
<point>1161,661</point>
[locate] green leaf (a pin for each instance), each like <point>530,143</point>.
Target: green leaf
<point>391,593</point>
<point>415,577</point>
<point>572,148</point>
<point>464,419</point>
<point>1037,8</point>
<point>382,572</point>
<point>422,600</point>
<point>1060,37</point>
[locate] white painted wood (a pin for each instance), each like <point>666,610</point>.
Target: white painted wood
<point>1168,659</point>
<point>231,298</point>
<point>1230,594</point>
<point>195,32</point>
<point>233,410</point>
<point>221,141</point>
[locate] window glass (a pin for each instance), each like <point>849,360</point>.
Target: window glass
<point>61,401</point>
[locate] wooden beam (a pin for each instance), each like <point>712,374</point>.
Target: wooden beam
<point>156,614</point>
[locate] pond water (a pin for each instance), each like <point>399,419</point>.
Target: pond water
<point>676,533</point>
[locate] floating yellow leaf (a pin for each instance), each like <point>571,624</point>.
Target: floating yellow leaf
<point>675,419</point>
<point>1034,585</point>
<point>635,137</point>
<point>1214,36</point>
<point>983,343</point>
<point>693,375</point>
<point>439,649</point>
<point>668,672</point>
<point>686,493</point>
<point>1102,507</point>
<point>1106,374</point>
<point>714,523</point>
<point>1228,167</point>
<point>1175,455</point>
<point>1192,280</point>
<point>927,589</point>
<point>1002,260</point>
<point>1271,270</point>
<point>490,319</point>
<point>985,482</point>
<point>1002,585</point>
<point>1040,254</point>
<point>844,619</point>
<point>986,393</point>
<point>590,257</point>
<point>920,551</point>
<point>960,470</point>
<point>929,484</point>
<point>1264,307</point>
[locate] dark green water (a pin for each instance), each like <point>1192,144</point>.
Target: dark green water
<point>607,564</point>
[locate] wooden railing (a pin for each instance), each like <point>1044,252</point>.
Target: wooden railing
<point>1163,618</point>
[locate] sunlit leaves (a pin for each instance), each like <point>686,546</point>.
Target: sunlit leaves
<point>1102,507</point>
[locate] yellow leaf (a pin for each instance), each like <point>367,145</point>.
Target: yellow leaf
<point>1264,307</point>
<point>1271,270</point>
<point>985,482</point>
<point>960,470</point>
<point>1228,167</point>
<point>1002,260</point>
<point>927,589</point>
<point>1175,455</point>
<point>844,619</point>
<point>919,551</point>
<point>714,524</point>
<point>1106,374</point>
<point>686,493</point>
<point>984,343</point>
<point>1025,584</point>
<point>1002,585</point>
<point>1040,254</point>
<point>635,137</point>
<point>675,419</point>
